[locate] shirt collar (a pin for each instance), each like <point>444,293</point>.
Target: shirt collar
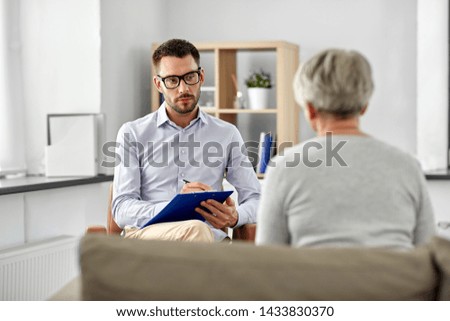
<point>163,118</point>
<point>202,116</point>
<point>162,115</point>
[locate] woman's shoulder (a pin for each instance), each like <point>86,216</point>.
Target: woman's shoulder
<point>349,147</point>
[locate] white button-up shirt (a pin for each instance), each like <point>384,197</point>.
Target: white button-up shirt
<point>154,155</point>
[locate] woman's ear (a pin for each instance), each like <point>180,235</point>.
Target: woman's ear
<point>311,111</point>
<point>363,110</point>
<point>311,115</point>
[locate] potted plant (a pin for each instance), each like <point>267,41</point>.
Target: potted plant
<point>258,86</point>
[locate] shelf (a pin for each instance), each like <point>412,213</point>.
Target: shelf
<point>244,45</point>
<point>212,110</point>
<point>247,111</point>
<point>209,110</point>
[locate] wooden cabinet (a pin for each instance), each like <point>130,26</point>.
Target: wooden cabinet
<point>225,66</point>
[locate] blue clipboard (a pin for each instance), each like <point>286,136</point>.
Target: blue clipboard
<point>182,207</point>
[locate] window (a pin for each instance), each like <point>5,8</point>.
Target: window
<point>12,149</point>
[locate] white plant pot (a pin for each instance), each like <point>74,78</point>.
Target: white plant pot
<point>258,98</point>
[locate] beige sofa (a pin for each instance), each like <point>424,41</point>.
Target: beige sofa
<point>118,269</point>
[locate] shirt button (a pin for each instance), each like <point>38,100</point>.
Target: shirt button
<point>182,174</point>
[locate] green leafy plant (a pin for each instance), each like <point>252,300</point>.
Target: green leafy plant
<point>259,80</point>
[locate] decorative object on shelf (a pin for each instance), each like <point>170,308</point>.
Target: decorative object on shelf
<point>74,145</point>
<point>258,86</point>
<point>207,96</point>
<point>239,102</point>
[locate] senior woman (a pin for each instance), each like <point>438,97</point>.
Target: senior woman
<point>343,188</point>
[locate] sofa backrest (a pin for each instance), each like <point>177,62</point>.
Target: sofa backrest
<point>440,249</point>
<point>127,269</point>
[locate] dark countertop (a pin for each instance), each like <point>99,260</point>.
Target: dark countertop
<point>38,183</point>
<point>442,174</point>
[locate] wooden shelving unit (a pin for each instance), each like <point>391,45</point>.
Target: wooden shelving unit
<point>225,64</point>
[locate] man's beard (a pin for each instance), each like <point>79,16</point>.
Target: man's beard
<point>187,110</point>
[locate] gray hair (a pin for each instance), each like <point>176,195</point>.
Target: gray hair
<point>337,82</point>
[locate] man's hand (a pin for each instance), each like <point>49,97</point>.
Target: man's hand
<point>195,187</point>
<point>222,214</point>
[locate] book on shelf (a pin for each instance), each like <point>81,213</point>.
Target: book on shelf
<point>265,151</point>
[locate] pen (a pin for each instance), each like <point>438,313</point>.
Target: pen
<point>186,182</point>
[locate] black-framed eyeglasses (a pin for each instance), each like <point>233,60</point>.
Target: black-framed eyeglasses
<point>172,82</point>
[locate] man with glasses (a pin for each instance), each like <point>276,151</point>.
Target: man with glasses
<point>181,149</point>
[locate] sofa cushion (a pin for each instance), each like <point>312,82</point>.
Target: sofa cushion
<point>441,255</point>
<point>127,269</point>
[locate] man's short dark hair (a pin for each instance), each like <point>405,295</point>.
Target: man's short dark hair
<point>175,48</point>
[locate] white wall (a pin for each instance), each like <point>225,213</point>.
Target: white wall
<point>61,66</point>
<point>86,56</point>
<point>432,99</point>
<point>65,211</point>
<point>12,216</point>
<point>432,80</point>
<point>439,192</point>
<point>36,216</point>
<point>127,32</point>
<point>383,30</point>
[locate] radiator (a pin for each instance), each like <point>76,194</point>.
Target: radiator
<point>35,271</point>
